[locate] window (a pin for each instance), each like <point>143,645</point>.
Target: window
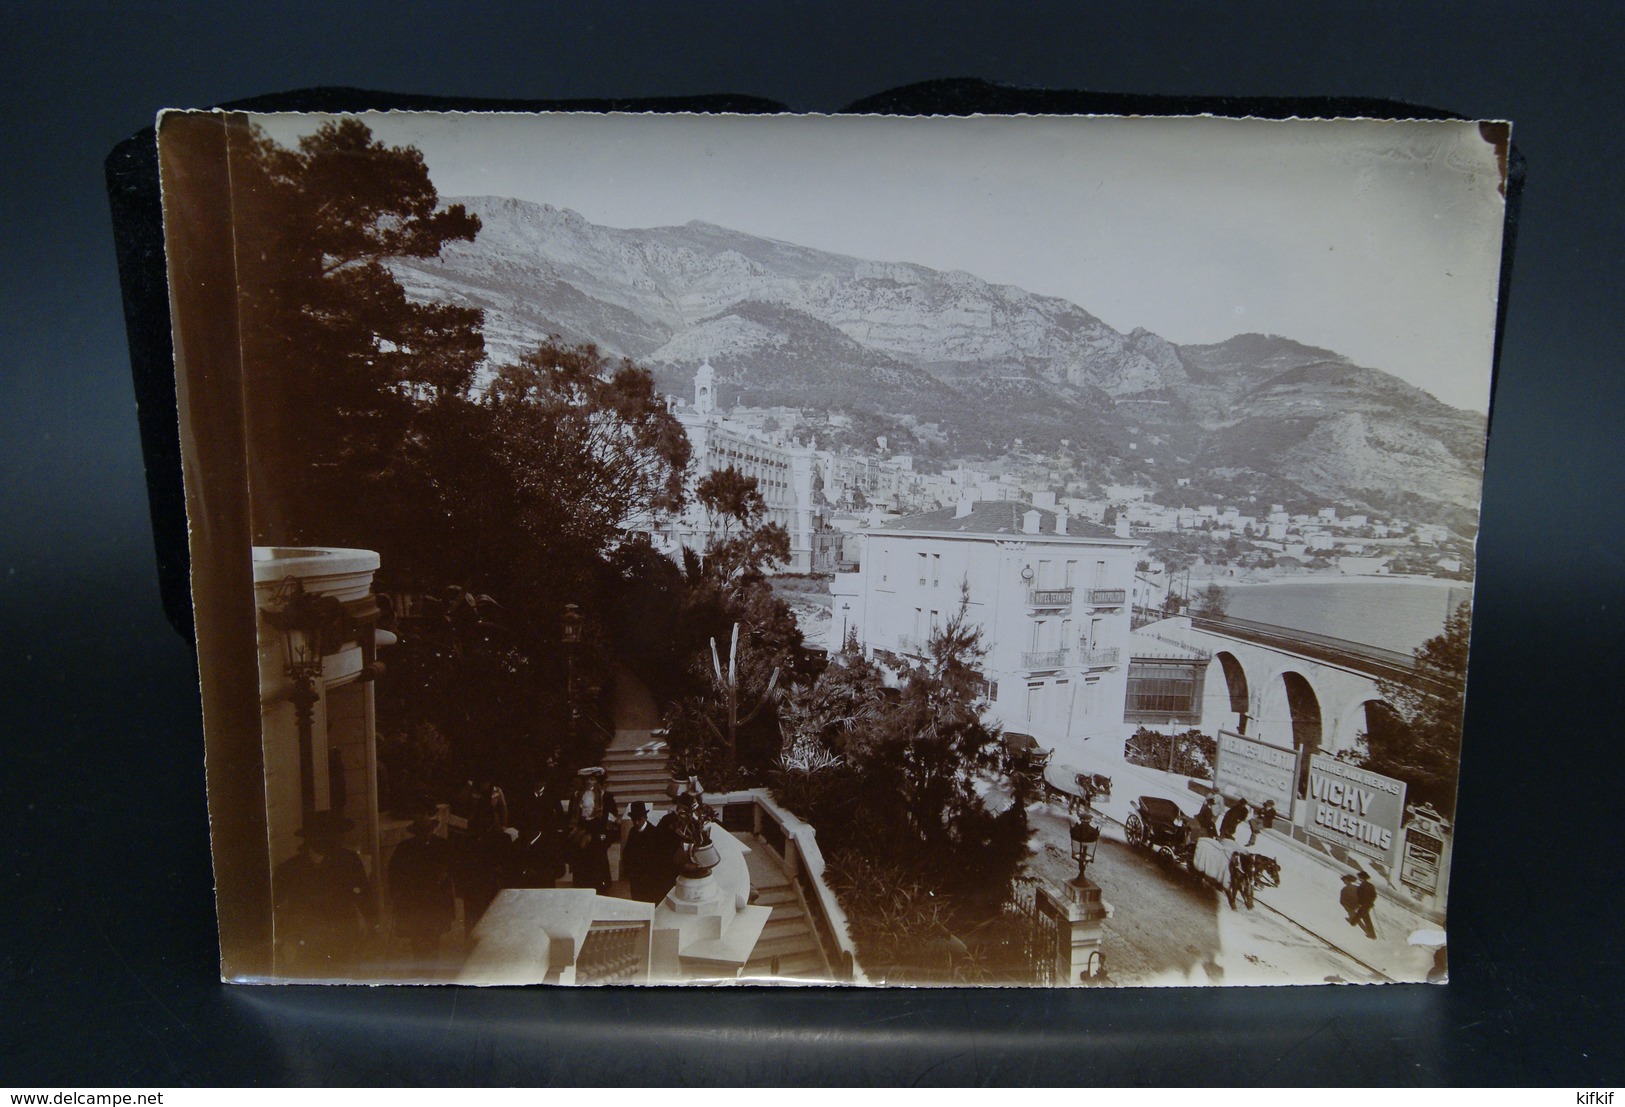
<point>1071,574</point>
<point>922,568</point>
<point>1161,690</point>
<point>936,570</point>
<point>1100,574</point>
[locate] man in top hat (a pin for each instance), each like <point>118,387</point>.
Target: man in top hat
<point>1365,894</point>
<point>646,856</point>
<point>594,819</point>
<point>323,900</point>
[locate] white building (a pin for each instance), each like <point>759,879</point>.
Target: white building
<point>784,476</point>
<point>1049,592</point>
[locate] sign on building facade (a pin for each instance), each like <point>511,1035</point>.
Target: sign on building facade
<point>1354,808</point>
<point>1427,846</point>
<point>1258,770</point>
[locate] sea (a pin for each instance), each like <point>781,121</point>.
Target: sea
<point>1398,614</point>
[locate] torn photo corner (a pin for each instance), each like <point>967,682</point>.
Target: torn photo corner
<point>826,550</point>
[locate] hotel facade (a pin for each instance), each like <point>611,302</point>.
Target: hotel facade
<point>1049,592</point>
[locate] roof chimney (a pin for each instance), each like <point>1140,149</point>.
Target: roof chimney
<point>1122,526</point>
<point>1060,521</point>
<point>1029,522</point>
<point>964,508</point>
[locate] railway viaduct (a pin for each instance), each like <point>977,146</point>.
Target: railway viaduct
<point>1289,687</point>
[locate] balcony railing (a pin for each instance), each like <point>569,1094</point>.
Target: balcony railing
<point>1049,597</point>
<point>1103,658</point>
<point>1108,597</point>
<point>1034,660</point>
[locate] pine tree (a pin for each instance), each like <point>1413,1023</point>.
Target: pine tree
<point>1424,748</point>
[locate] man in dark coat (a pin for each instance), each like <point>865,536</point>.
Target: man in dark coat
<point>646,857</point>
<point>1234,816</point>
<point>1366,895</point>
<point>486,861</point>
<point>323,901</point>
<point>420,890</point>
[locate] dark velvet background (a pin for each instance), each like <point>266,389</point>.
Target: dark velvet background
<point>107,964</point>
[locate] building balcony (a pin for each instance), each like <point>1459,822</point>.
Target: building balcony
<point>1108,597</point>
<point>1106,658</point>
<point>1049,597</point>
<point>1035,661</point>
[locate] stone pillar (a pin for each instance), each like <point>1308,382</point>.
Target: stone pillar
<point>1081,913</point>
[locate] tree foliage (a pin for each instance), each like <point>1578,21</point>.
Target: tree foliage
<point>888,770</point>
<point>740,546</point>
<point>377,424</point>
<point>1212,601</point>
<point>336,357</point>
<point>1421,745</point>
<point>588,444</point>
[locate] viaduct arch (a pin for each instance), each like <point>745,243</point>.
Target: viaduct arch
<point>1269,691</point>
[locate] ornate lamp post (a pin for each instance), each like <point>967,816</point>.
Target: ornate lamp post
<point>570,636</point>
<point>1085,837</point>
<point>311,627</point>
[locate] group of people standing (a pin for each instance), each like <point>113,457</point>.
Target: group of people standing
<point>1227,816</point>
<point>564,829</point>
<point>326,908</point>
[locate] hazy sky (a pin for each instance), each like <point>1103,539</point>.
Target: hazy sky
<point>1380,241</point>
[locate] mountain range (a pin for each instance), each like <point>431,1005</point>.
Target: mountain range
<point>952,366</point>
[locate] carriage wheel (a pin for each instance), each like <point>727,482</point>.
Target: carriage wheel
<point>1134,831</point>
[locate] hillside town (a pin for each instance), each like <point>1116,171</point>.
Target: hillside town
<point>825,496</point>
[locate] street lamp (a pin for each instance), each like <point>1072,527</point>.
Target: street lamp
<point>311,627</point>
<point>570,635</point>
<point>1085,837</point>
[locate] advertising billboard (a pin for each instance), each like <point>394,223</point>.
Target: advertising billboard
<point>1258,770</point>
<point>1354,808</point>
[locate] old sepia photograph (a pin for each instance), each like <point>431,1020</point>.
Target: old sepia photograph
<point>833,550</point>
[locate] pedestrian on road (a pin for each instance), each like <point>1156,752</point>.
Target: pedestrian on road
<point>1349,898</point>
<point>1367,895</point>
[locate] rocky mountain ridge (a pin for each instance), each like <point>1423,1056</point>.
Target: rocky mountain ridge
<point>977,363</point>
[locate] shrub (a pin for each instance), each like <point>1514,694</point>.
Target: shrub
<point>1188,753</point>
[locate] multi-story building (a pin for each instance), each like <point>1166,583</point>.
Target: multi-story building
<point>1049,592</point>
<point>784,474</point>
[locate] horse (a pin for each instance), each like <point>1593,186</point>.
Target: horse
<point>1249,871</point>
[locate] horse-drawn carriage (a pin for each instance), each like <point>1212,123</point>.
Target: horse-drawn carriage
<point>1076,789</point>
<point>1159,825</point>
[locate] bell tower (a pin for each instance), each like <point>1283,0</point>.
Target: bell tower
<point>705,395</point>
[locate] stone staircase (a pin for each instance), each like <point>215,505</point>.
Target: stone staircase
<point>635,768</point>
<point>788,948</point>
